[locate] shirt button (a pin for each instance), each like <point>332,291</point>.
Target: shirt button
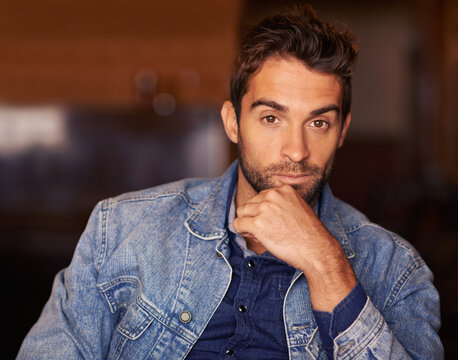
<point>251,264</point>
<point>229,352</point>
<point>242,308</point>
<point>185,316</point>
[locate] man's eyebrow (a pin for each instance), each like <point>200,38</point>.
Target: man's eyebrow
<point>270,103</point>
<point>326,109</point>
<point>282,108</point>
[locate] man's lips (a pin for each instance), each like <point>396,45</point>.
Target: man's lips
<point>292,179</point>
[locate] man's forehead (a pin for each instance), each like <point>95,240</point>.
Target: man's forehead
<point>285,79</point>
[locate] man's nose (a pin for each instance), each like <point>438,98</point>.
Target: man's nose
<point>295,145</point>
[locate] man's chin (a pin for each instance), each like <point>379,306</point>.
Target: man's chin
<point>306,191</point>
<point>304,194</point>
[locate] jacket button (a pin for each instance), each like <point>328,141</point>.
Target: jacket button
<point>251,264</point>
<point>242,308</point>
<point>218,255</point>
<point>185,316</point>
<point>229,352</point>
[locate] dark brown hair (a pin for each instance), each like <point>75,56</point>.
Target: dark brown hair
<point>301,34</point>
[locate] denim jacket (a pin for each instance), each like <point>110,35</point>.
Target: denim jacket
<point>151,269</point>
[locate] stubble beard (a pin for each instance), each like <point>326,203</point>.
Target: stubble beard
<point>262,178</point>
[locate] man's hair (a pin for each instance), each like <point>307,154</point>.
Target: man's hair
<point>301,34</point>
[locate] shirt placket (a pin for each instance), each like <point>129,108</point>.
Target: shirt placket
<point>244,303</point>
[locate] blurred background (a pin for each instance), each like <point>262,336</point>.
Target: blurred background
<point>103,97</point>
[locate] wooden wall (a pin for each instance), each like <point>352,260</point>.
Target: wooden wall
<point>88,52</point>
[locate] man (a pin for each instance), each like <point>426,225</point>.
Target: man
<point>262,263</point>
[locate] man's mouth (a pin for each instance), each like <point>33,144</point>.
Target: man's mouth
<point>292,179</point>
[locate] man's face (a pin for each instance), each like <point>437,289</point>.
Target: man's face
<point>290,128</point>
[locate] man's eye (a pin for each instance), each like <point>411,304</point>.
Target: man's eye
<point>270,119</point>
<point>319,124</point>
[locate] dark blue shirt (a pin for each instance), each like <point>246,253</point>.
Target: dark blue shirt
<point>248,324</point>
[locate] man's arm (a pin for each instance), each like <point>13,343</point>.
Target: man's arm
<point>74,324</point>
<point>285,225</point>
<point>405,328</point>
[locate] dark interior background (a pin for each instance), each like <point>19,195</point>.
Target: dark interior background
<point>100,98</point>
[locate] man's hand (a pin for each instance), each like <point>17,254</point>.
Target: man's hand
<point>283,223</point>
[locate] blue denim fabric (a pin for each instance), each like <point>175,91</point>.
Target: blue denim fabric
<point>152,267</point>
<point>330,325</point>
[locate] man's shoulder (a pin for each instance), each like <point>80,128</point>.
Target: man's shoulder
<point>147,211</point>
<point>362,230</point>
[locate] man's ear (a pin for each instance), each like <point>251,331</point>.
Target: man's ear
<point>230,121</point>
<point>344,131</point>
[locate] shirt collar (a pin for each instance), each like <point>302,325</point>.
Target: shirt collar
<point>237,237</point>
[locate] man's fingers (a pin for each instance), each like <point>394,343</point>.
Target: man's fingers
<point>257,198</point>
<point>242,224</point>
<point>245,225</point>
<point>248,210</point>
<point>276,194</point>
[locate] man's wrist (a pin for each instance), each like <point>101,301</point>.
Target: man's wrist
<point>330,279</point>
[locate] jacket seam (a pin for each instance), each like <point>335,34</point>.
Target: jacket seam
<point>395,238</point>
<point>116,201</point>
<point>219,303</point>
<point>185,334</point>
<point>343,234</point>
<point>104,241</point>
<point>105,287</point>
<point>120,346</point>
<point>415,256</point>
<point>366,340</point>
<point>185,264</point>
<point>359,226</point>
<point>202,206</point>
<point>198,234</point>
<point>400,283</point>
<point>154,347</point>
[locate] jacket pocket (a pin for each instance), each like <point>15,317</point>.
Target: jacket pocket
<point>136,335</point>
<point>134,322</point>
<point>120,292</point>
<point>141,330</point>
<point>132,319</point>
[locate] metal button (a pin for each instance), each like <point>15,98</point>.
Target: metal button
<point>218,255</point>
<point>185,316</point>
<point>251,264</point>
<point>229,352</point>
<point>242,308</point>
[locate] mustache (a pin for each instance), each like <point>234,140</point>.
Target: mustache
<point>300,167</point>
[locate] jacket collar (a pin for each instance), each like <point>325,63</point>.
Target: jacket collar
<point>209,220</point>
<point>329,214</point>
